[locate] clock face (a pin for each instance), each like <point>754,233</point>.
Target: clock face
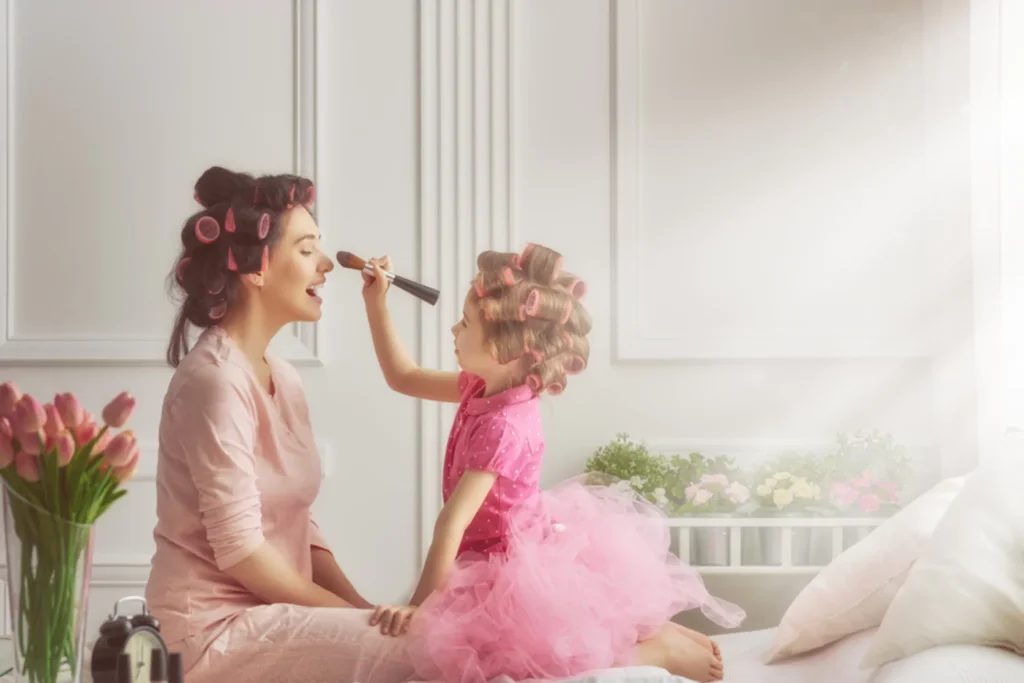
<point>139,646</point>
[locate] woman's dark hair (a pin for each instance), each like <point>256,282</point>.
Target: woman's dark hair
<point>231,236</point>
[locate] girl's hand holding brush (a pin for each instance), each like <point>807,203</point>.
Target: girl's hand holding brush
<point>375,287</point>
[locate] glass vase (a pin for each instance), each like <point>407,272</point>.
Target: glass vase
<point>49,562</point>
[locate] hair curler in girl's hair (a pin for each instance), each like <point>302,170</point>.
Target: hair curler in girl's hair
<point>420,291</point>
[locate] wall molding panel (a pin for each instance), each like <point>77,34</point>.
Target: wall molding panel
<point>299,344</point>
<point>465,185</point>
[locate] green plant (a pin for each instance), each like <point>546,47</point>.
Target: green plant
<point>648,474</point>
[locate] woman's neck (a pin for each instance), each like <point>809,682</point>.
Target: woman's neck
<point>252,333</point>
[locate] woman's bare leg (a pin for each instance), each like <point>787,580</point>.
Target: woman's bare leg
<point>672,650</point>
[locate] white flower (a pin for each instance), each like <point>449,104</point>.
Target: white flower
<point>738,493</point>
<point>701,497</point>
<point>659,496</point>
<point>782,498</point>
<point>783,476</point>
<point>622,487</point>
<point>638,482</point>
<point>801,488</point>
<point>764,490</point>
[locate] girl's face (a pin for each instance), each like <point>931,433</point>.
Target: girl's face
<point>296,269</point>
<point>471,347</point>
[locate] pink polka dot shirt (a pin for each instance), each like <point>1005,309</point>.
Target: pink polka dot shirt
<point>501,434</point>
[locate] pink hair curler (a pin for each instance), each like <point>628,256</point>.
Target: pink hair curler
<point>232,264</point>
<point>179,272</point>
<point>263,227</point>
<point>555,389</point>
<point>291,195</point>
<point>207,230</point>
<point>507,277</point>
<point>533,381</point>
<point>568,339</point>
<point>533,302</point>
<point>218,310</point>
<point>479,288</point>
<point>229,220</point>
<point>578,288</point>
<point>576,365</point>
<point>558,268</point>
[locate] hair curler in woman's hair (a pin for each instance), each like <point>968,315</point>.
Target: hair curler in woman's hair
<point>420,291</point>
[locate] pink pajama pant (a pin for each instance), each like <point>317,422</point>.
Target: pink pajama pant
<point>292,644</point>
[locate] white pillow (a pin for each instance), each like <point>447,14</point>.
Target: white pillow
<point>968,585</point>
<point>853,592</point>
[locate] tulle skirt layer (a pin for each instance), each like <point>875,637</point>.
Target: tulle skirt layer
<point>587,574</point>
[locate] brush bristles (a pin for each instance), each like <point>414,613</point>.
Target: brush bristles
<point>349,260</point>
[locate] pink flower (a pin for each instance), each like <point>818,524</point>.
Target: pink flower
<point>127,471</point>
<point>844,494</point>
<point>27,466</point>
<point>690,491</point>
<point>86,432</point>
<point>65,448</point>
<point>119,450</point>
<point>6,443</point>
<point>70,409</point>
<point>9,395</point>
<point>738,493</point>
<point>117,412</point>
<point>30,444</point>
<point>29,416</point>
<point>701,497</point>
<point>53,425</point>
<point>891,490</point>
<point>869,502</point>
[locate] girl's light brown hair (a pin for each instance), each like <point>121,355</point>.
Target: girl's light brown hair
<point>532,312</point>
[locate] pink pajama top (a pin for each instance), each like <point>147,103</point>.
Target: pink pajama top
<point>237,467</point>
<point>501,434</point>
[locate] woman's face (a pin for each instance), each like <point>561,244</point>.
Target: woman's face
<point>297,268</point>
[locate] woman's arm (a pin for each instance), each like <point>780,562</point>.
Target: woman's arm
<point>401,372</point>
<point>268,576</point>
<point>457,513</point>
<point>328,574</point>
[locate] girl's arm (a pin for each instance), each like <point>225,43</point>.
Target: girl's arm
<point>401,372</point>
<point>458,512</point>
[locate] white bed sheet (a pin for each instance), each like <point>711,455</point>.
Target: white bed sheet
<point>839,663</point>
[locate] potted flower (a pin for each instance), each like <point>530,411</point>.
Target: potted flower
<point>630,465</point>
<point>61,470</point>
<point>870,473</point>
<point>713,495</point>
<point>791,486</point>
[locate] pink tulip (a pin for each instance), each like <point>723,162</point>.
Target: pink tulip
<point>117,412</point>
<point>6,450</point>
<point>5,428</point>
<point>65,448</point>
<point>86,432</point>
<point>54,425</point>
<point>70,409</point>
<point>869,502</point>
<point>27,466</point>
<point>127,471</point>
<point>29,416</point>
<point>9,395</point>
<point>102,441</point>
<point>844,494</point>
<point>30,443</point>
<point>118,451</point>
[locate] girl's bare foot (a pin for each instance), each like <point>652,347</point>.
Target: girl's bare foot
<point>680,655</point>
<point>699,638</point>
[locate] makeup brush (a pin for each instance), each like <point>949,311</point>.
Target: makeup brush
<point>428,294</point>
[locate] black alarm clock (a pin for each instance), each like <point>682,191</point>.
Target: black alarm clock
<point>136,636</point>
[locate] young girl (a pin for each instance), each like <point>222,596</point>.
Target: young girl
<point>520,582</point>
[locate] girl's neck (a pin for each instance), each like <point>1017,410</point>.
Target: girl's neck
<point>498,384</point>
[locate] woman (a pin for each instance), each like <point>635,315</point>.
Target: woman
<point>242,580</point>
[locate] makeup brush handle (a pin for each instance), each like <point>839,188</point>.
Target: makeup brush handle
<point>421,291</point>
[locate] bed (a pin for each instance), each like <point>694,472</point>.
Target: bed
<point>838,663</point>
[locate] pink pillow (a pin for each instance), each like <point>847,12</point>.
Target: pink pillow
<point>853,593</point>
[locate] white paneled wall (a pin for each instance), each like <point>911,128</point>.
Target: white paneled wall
<point>771,200</point>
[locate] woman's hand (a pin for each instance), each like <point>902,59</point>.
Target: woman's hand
<point>393,619</point>
<point>376,286</point>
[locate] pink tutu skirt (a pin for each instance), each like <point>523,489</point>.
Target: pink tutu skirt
<point>587,573</point>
